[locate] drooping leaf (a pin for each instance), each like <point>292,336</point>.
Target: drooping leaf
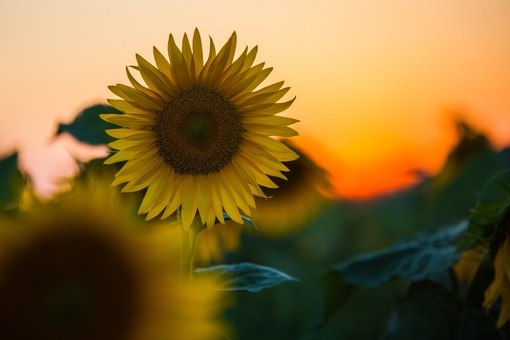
<point>416,259</point>
<point>12,182</point>
<point>88,127</point>
<point>245,277</point>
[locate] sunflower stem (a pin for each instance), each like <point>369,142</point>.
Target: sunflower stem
<point>189,240</point>
<point>193,236</point>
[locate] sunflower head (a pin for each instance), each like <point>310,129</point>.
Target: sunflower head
<point>214,243</point>
<point>197,133</point>
<point>77,268</point>
<point>296,200</point>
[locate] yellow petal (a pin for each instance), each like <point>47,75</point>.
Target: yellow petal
<point>139,87</point>
<point>212,54</point>
<point>264,109</point>
<point>186,50</point>
<point>175,200</point>
<point>136,97</point>
<point>228,201</point>
<point>215,196</point>
<point>130,133</point>
<point>180,70</point>
<point>156,79</point>
<point>189,205</point>
<point>198,55</point>
<point>129,120</point>
<point>222,60</point>
<point>202,197</point>
<point>161,62</point>
<point>126,107</point>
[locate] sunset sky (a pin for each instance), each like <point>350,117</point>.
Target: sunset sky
<point>378,83</point>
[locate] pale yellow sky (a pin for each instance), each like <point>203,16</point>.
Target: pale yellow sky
<point>374,80</point>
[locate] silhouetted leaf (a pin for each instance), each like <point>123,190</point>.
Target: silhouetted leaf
<point>415,260</point>
<point>88,127</point>
<point>12,182</point>
<point>245,277</point>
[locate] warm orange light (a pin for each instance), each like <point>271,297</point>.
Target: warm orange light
<point>377,165</point>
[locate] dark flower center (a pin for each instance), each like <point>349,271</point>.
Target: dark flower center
<point>198,131</point>
<point>68,285</point>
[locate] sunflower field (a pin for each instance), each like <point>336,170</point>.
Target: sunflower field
<point>206,221</point>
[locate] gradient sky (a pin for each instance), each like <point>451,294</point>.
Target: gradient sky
<point>378,83</point>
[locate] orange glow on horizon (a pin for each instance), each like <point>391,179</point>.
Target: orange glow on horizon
<point>362,172</point>
<point>371,78</point>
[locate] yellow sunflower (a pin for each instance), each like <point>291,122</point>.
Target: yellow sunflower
<point>214,243</point>
<point>77,268</point>
<point>297,200</point>
<point>198,135</point>
<point>500,287</point>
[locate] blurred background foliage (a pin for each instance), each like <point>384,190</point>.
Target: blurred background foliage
<point>421,296</point>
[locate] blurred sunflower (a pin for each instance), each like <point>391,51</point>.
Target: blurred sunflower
<point>214,243</point>
<point>297,200</point>
<point>500,287</point>
<point>76,268</point>
<point>198,135</point>
<point>467,266</point>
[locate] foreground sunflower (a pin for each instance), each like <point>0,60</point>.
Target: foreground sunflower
<point>71,271</point>
<point>198,135</point>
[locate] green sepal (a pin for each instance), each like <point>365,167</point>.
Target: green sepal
<point>246,220</point>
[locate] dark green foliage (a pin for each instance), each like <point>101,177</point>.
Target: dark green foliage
<point>323,306</point>
<point>384,287</point>
<point>12,183</point>
<point>430,311</point>
<point>490,215</point>
<point>421,258</point>
<point>415,260</point>
<point>88,127</point>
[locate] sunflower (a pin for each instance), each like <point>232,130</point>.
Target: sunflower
<point>500,287</point>
<point>199,135</point>
<point>297,200</point>
<point>77,268</point>
<point>214,243</point>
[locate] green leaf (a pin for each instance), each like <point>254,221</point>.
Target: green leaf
<point>245,219</point>
<point>416,260</point>
<point>429,311</point>
<point>336,295</point>
<point>245,277</point>
<point>12,182</point>
<point>491,209</point>
<point>88,127</point>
